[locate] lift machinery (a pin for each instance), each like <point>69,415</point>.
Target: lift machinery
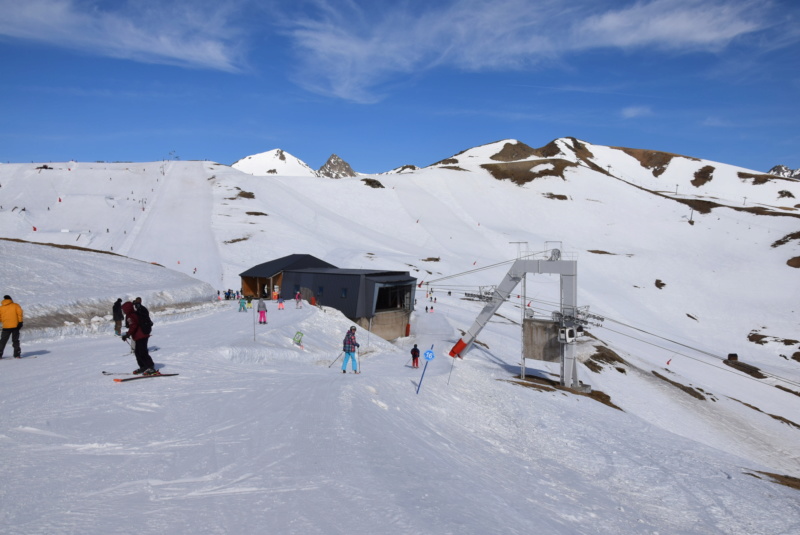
<point>568,319</point>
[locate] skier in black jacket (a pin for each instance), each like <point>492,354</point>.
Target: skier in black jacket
<point>116,311</point>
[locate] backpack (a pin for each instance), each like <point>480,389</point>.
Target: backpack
<point>145,323</point>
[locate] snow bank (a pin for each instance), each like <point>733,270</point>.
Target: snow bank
<point>69,291</point>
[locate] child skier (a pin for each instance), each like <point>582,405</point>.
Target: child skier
<point>349,348</point>
<point>415,357</point>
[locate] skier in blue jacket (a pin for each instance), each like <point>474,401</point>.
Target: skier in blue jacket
<point>349,348</point>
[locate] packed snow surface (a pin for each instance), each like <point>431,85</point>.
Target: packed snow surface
<point>259,435</point>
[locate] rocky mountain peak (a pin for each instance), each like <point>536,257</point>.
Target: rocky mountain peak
<point>782,170</point>
<point>335,167</point>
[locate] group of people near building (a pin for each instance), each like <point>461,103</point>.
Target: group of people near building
<point>138,325</point>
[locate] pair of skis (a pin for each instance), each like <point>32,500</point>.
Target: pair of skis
<point>135,377</point>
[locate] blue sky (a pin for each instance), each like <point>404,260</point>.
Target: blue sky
<point>388,83</point>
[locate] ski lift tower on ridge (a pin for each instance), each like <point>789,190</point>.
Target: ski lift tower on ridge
<point>568,316</point>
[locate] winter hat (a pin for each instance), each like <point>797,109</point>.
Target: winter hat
<point>7,297</point>
<point>353,328</point>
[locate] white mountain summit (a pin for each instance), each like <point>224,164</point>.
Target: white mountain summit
<point>274,162</point>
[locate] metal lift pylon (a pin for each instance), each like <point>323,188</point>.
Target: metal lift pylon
<point>568,324</point>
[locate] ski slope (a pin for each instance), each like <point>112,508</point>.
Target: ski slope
<point>256,436</point>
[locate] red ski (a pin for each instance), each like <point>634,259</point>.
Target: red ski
<point>118,380</point>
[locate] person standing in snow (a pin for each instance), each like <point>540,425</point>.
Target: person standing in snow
<point>280,303</point>
<point>242,305</point>
<point>11,318</point>
<point>146,366</point>
<point>414,357</point>
<point>262,312</point>
<point>116,312</point>
<point>297,300</point>
<point>349,347</point>
<point>139,307</point>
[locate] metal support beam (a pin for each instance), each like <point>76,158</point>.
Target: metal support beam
<point>568,271</point>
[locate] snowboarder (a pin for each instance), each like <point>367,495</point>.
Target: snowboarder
<point>262,312</point>
<point>242,305</point>
<point>116,312</point>
<point>11,318</point>
<point>135,332</point>
<point>414,357</point>
<point>349,347</point>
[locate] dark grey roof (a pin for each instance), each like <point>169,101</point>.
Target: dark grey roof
<point>293,262</point>
<point>376,274</point>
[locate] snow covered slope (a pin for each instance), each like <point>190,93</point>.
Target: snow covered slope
<point>69,290</point>
<point>256,435</point>
<point>687,260</point>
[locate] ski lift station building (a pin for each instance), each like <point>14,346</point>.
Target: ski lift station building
<point>379,301</point>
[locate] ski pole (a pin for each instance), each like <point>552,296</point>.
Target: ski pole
<point>337,358</point>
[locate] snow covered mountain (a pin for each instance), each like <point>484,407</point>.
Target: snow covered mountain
<point>686,260</point>
<point>335,167</point>
<point>782,170</point>
<point>273,162</point>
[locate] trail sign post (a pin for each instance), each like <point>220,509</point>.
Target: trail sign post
<point>429,356</point>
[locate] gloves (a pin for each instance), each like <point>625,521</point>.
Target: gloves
<point>358,345</point>
<point>124,337</point>
<point>20,325</point>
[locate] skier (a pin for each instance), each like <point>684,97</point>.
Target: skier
<point>146,366</point>
<point>116,312</point>
<point>262,312</point>
<point>349,347</point>
<point>139,307</point>
<point>11,318</point>
<point>415,357</point>
<point>280,303</point>
<point>297,300</point>
<point>242,305</point>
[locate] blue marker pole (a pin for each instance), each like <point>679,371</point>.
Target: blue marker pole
<point>429,356</point>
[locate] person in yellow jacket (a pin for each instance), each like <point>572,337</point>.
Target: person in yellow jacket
<point>11,318</point>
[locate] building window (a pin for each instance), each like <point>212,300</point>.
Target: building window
<point>344,293</point>
<point>392,297</point>
<point>319,290</point>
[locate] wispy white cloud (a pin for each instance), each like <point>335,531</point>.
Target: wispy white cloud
<point>632,112</point>
<point>671,24</point>
<point>350,49</point>
<point>196,34</point>
<point>716,122</point>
